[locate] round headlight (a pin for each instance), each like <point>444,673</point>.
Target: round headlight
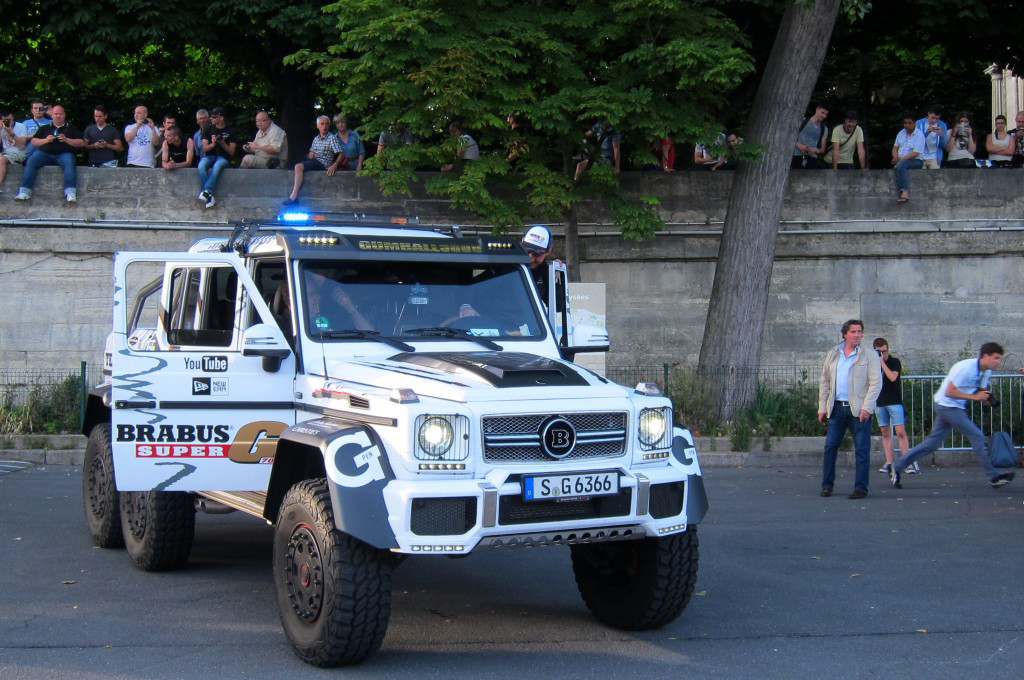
<point>436,436</point>
<point>652,426</point>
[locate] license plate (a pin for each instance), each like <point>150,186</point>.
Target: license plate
<point>564,487</point>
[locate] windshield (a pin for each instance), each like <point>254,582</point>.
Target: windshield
<point>417,300</point>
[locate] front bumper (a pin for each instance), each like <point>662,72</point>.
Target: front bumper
<point>458,516</point>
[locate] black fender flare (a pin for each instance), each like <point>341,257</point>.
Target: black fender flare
<point>97,409</point>
<point>353,459</point>
<point>685,453</point>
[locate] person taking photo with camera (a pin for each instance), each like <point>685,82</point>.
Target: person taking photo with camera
<point>968,380</point>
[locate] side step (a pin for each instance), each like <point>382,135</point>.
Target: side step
<point>249,502</point>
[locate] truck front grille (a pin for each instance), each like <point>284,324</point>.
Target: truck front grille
<point>516,439</point>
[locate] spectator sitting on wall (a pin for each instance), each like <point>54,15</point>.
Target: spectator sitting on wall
<point>324,154</point>
<point>609,141</point>
<point>961,146</point>
<point>143,140</point>
<point>353,152</point>
<point>518,146</point>
<point>102,141</point>
<point>394,136</point>
<point>55,144</point>
<point>176,153</point>
<point>727,161</point>
<point>906,155</point>
<point>270,147</point>
<point>169,120</point>
<point>663,155</point>
<point>466,148</point>
<point>702,157</point>
<point>934,130</point>
<point>846,139</point>
<point>1000,144</point>
<point>202,120</point>
<point>1018,141</point>
<point>219,145</point>
<point>811,139</point>
<point>13,139</point>
<point>39,118</point>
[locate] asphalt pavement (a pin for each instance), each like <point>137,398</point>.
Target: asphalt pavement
<point>925,582</point>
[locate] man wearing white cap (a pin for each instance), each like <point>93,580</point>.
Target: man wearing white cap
<point>537,243</point>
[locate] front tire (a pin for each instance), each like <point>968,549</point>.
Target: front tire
<point>640,584</point>
<point>99,492</point>
<point>158,528</point>
<point>333,591</point>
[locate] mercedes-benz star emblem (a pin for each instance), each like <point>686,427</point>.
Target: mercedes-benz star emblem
<point>557,437</point>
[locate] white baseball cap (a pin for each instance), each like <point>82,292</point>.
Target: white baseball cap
<point>537,239</point>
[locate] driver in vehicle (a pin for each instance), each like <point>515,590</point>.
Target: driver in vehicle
<point>330,306</point>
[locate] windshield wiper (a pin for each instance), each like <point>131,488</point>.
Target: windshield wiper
<point>449,332</point>
<point>367,335</point>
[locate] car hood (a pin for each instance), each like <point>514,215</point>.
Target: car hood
<point>476,376</point>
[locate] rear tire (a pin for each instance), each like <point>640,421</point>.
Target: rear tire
<point>99,492</point>
<point>158,528</point>
<point>333,591</point>
<point>637,585</point>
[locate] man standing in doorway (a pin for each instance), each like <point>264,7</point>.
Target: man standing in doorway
<point>967,381</point>
<point>847,391</point>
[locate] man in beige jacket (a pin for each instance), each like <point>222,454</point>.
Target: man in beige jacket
<point>851,379</point>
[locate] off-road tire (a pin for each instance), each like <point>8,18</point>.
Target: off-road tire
<point>637,585</point>
<point>158,528</point>
<point>99,493</point>
<point>333,591</point>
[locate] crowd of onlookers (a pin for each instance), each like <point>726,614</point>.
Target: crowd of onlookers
<point>926,142</point>
<point>48,138</point>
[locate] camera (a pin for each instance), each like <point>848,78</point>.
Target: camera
<point>992,401</point>
<point>879,352</point>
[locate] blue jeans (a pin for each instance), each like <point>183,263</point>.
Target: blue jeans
<point>208,177</point>
<point>902,176</point>
<point>841,419</point>
<point>945,418</point>
<point>65,160</point>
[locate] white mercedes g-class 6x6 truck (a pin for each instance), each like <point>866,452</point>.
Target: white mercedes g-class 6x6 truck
<point>376,393</point>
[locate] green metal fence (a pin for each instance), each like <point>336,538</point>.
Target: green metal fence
<point>45,400</point>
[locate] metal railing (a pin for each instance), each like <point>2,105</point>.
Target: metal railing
<point>919,390</point>
<point>45,400</point>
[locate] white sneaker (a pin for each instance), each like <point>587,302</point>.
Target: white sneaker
<point>22,195</point>
<point>71,197</point>
<point>885,468</point>
<point>913,469</point>
<point>201,196</point>
<point>210,200</point>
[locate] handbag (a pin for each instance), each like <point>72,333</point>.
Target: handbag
<point>1001,451</point>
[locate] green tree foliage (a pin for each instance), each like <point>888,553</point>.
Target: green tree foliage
<point>647,67</point>
<point>173,57</point>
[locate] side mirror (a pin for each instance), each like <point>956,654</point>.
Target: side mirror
<point>266,340</point>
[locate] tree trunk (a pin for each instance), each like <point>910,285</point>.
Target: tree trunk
<point>731,350</point>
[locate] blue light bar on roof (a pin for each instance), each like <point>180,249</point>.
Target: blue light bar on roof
<point>294,217</point>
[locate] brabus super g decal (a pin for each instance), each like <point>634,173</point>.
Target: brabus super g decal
<point>256,442</point>
<point>252,443</point>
